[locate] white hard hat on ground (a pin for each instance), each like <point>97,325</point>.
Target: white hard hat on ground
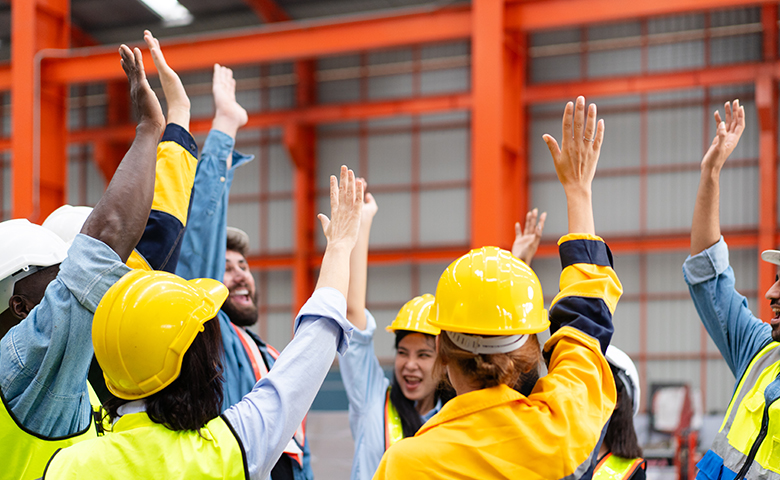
<point>67,221</point>
<point>627,373</point>
<point>25,248</point>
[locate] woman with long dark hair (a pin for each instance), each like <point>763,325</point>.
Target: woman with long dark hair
<point>383,411</point>
<point>620,456</point>
<point>160,353</point>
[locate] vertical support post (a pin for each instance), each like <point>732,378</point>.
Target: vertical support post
<point>495,123</point>
<point>300,141</point>
<point>769,26</point>
<point>38,143</point>
<point>766,105</point>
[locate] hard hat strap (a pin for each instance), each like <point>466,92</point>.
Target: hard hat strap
<point>487,345</point>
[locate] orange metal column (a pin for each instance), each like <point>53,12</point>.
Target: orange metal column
<point>496,76</point>
<point>766,104</point>
<point>300,141</point>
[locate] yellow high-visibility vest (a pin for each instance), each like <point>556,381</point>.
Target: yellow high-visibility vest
<point>394,431</point>
<point>140,448</point>
<point>612,467</point>
<point>26,453</point>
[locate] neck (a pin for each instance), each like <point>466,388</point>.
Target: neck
<point>459,381</point>
<point>425,405</point>
<point>7,322</point>
<point>603,450</point>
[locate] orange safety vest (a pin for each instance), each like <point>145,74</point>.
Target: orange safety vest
<point>612,467</point>
<point>294,447</point>
<point>394,431</point>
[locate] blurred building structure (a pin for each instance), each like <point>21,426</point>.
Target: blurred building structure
<point>441,107</point>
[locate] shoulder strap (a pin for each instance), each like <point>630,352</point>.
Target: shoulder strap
<point>255,357</point>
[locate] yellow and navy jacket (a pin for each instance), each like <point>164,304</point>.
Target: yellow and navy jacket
<point>139,448</point>
<point>553,433</point>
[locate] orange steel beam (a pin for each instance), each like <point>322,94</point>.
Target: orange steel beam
<point>289,41</point>
<point>38,168</point>
<point>537,15</point>
<point>314,114</point>
<point>268,11</point>
<point>766,105</point>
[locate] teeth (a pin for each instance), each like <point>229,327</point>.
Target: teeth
<point>243,291</point>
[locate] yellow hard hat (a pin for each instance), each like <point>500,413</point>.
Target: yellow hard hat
<point>144,325</point>
<point>413,316</point>
<point>488,291</point>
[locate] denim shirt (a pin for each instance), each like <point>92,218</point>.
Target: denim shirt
<point>45,358</point>
<point>366,386</point>
<point>724,312</point>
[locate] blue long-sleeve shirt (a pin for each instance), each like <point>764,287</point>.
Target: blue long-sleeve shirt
<point>737,333</point>
<point>366,386</point>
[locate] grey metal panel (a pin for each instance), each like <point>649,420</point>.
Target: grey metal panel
<point>247,179</point>
<point>280,169</point>
<point>444,154</point>
<point>463,116</point>
<point>429,274</point>
<point>332,153</point>
<point>201,106</point>
<point>720,385</point>
<point>280,226</point>
<point>743,48</point>
<point>384,341</point>
<point>675,56</point>
<point>279,287</point>
<point>389,159</point>
<point>281,97</point>
<point>622,134</point>
<point>388,122</point>
<point>450,49</point>
<point>95,183</point>
<point>670,200</point>
<point>558,68</point>
<point>673,96</point>
<point>338,91</point>
<point>326,128</point>
<point>541,160</point>
<point>74,180</point>
<point>738,197</point>
<point>555,37</point>
<point>548,196</point>
<point>664,272</point>
<point>249,99</point>
<point>323,206</point>
<point>246,216</point>
<point>96,116</point>
<point>614,30</point>
<point>615,204</point>
<point>674,135</point>
<point>390,86</point>
<point>392,225</point>
<point>548,270</point>
<point>389,284</point>
<point>626,323</point>
<point>340,61</point>
<point>279,329</point>
<point>628,271</point>
<point>735,16</point>
<point>672,326</point>
<point>675,23</point>
<point>395,55</point>
<point>614,62</point>
<point>744,262</point>
<point>444,216</point>
<point>442,81</point>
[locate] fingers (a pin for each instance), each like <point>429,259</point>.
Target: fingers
<point>717,117</point>
<point>324,221</point>
<point>566,124</point>
<point>518,230</point>
<point>590,123</point>
<point>359,190</point>
<point>334,193</point>
<point>579,119</point>
<point>599,136</point>
<point>555,150</point>
<point>727,108</point>
<point>530,220</point>
<point>139,61</point>
<point>343,178</point>
<point>540,224</point>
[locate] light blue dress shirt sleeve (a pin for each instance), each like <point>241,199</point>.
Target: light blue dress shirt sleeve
<point>44,359</point>
<point>736,332</point>
<point>203,244</point>
<point>366,386</point>
<point>267,417</point>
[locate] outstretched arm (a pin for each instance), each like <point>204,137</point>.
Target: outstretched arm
<point>705,230</point>
<point>527,241</point>
<point>358,264</point>
<point>119,218</point>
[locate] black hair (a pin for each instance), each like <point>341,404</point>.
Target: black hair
<point>410,418</point>
<point>620,438</point>
<point>195,397</point>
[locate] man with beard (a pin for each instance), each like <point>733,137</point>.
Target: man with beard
<point>210,249</point>
<point>746,445</point>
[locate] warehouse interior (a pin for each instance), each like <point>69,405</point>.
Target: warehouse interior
<point>441,106</point>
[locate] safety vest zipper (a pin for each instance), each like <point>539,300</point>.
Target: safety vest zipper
<point>756,444</point>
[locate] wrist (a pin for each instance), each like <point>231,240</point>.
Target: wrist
<point>149,127</point>
<point>339,248</point>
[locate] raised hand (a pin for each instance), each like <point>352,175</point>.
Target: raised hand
<point>229,116</point>
<point>575,162</point>
<point>527,241</point>
<point>145,104</point>
<point>369,205</point>
<point>346,207</point>
<point>175,95</point>
<point>727,136</point>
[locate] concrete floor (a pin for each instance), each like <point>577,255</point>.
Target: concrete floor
<point>331,444</point>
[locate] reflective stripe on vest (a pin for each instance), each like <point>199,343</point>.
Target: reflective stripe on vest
<point>741,433</point>
<point>394,431</point>
<point>139,448</point>
<point>294,447</point>
<point>27,453</point>
<point>613,467</point>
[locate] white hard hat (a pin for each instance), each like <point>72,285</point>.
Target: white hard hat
<point>67,221</point>
<point>24,246</point>
<point>627,373</point>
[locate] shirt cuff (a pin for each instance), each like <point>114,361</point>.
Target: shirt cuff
<point>367,335</point>
<point>329,303</point>
<point>707,264</point>
<point>91,268</point>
